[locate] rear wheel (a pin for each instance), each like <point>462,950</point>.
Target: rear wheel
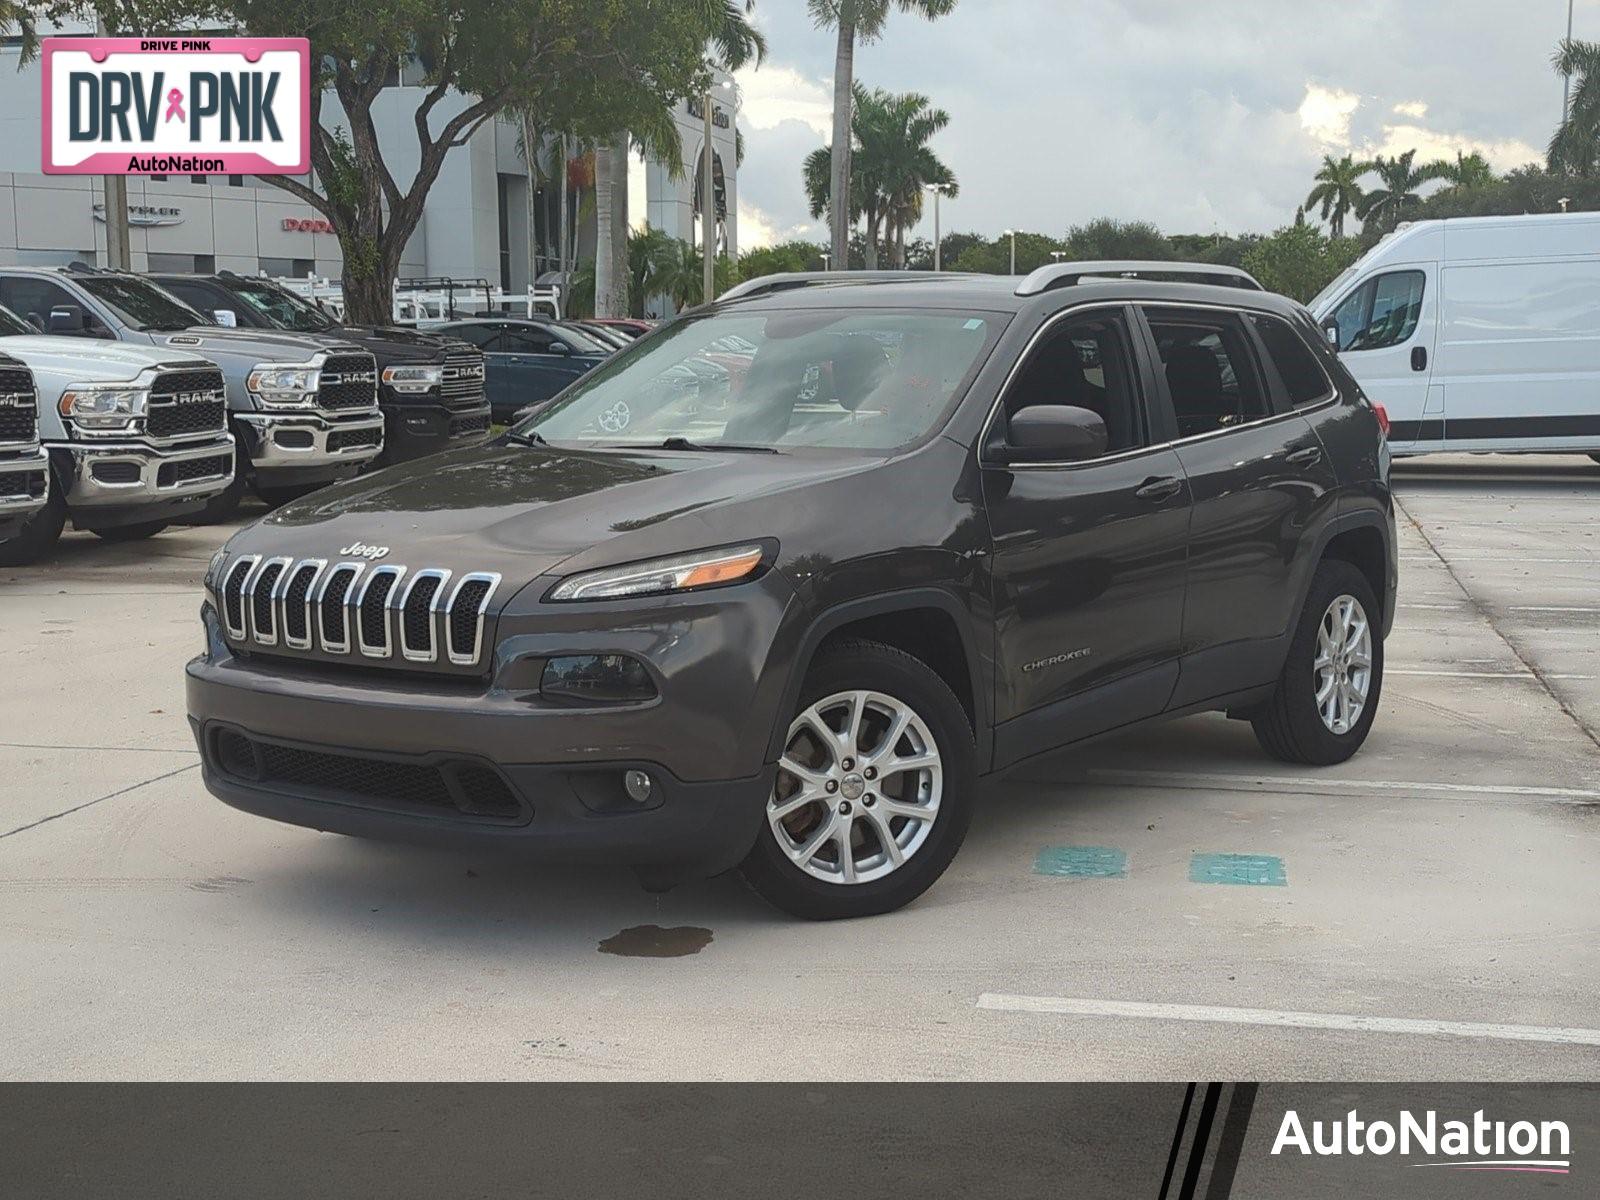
<point>1327,695</point>
<point>38,535</point>
<point>131,533</point>
<point>874,789</point>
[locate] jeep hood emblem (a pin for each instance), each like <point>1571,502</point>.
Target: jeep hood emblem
<point>357,550</point>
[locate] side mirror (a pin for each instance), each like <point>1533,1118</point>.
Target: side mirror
<point>1054,433</point>
<point>225,316</point>
<point>560,348</point>
<point>67,318</point>
<point>1330,330</point>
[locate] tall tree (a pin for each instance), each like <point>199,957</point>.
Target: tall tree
<point>1338,191</point>
<point>854,20</point>
<point>1467,171</point>
<point>1575,148</point>
<point>594,68</point>
<point>1396,194</point>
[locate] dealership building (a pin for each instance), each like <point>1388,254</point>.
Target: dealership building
<point>475,225</point>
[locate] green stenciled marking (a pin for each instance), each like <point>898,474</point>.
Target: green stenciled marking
<point>1257,870</point>
<point>1081,862</point>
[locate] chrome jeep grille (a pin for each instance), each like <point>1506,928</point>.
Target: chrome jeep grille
<point>357,609</point>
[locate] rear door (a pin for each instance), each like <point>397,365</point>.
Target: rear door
<point>1388,327</point>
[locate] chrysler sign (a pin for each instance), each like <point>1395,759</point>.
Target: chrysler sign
<point>203,106</point>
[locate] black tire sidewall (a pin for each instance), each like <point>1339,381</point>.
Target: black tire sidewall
<point>872,667</point>
<point>39,534</point>
<point>1333,579</point>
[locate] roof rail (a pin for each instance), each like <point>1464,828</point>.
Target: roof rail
<point>785,280</point>
<point>1067,274</point>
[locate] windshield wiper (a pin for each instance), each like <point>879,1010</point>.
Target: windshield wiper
<point>683,443</point>
<point>527,439</point>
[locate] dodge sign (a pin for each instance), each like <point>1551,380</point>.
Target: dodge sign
<point>202,106</point>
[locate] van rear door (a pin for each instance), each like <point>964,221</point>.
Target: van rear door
<point>1388,325</point>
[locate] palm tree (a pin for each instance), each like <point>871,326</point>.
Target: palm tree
<point>1396,193</point>
<point>1575,148</point>
<point>1338,192</point>
<point>1468,170</point>
<point>891,164</point>
<point>854,20</point>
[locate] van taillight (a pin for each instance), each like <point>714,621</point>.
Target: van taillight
<point>1383,418</point>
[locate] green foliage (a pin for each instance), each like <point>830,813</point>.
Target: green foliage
<point>994,258</point>
<point>1109,238</point>
<point>1299,260</point>
<point>1338,193</point>
<point>774,260</point>
<point>1529,189</point>
<point>1575,148</point>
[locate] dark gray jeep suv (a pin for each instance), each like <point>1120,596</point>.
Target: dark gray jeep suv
<point>932,525</point>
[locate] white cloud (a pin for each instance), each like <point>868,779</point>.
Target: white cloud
<point>1415,109</point>
<point>1325,114</point>
<point>758,228</point>
<point>770,95</point>
<point>1433,144</point>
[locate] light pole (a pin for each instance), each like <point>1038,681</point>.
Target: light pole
<point>119,250</point>
<point>1012,234</point>
<point>1058,255</point>
<point>827,257</point>
<point>938,189</point>
<point>708,204</point>
<point>1566,85</point>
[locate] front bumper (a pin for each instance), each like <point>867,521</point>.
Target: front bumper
<point>411,431</point>
<point>24,488</point>
<point>304,446</point>
<point>136,474</point>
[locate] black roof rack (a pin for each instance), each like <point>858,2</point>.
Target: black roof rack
<point>1068,274</point>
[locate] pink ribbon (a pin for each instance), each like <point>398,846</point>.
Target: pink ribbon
<point>175,105</point>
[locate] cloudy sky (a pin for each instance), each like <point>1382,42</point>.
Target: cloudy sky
<point>1198,115</point>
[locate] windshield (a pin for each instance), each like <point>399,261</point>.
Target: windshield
<point>12,325</point>
<point>852,378</point>
<point>1321,298</point>
<point>141,304</point>
<point>582,340</point>
<point>281,308</point>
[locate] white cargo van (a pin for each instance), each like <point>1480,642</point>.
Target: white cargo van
<point>1477,333</point>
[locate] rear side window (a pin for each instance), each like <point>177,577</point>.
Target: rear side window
<point>528,339</point>
<point>1381,312</point>
<point>1210,374</point>
<point>1298,367</point>
<point>484,337</point>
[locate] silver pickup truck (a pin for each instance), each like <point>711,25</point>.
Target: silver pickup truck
<point>136,436</point>
<point>304,410</point>
<point>24,467</point>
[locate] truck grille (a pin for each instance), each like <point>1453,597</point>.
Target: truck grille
<point>448,787</point>
<point>216,466</point>
<point>20,485</point>
<point>19,410</point>
<point>348,381</point>
<point>187,402</point>
<point>466,426</point>
<point>348,439</point>
<point>353,608</point>
<point>463,380</point>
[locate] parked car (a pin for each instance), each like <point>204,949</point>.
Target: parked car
<point>136,436</point>
<point>304,410</point>
<point>24,465</point>
<point>631,327</point>
<point>1478,333</point>
<point>526,361</point>
<point>606,335</point>
<point>430,389</point>
<point>791,635</point>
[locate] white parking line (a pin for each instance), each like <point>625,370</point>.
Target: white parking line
<point>1479,674</point>
<point>1556,608</point>
<point>1196,779</point>
<point>1342,1022</point>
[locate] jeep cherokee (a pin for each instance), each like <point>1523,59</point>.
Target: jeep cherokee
<point>942,524</point>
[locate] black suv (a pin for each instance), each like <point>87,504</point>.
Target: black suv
<point>941,524</point>
<point>430,388</point>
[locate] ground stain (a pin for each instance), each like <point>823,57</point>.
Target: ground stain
<point>217,883</point>
<point>652,941</point>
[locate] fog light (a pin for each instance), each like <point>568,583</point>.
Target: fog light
<point>638,785</point>
<point>597,679</point>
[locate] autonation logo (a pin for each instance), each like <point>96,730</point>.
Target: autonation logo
<point>1476,1145</point>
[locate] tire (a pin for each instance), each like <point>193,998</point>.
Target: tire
<point>882,683</point>
<point>131,533</point>
<point>1292,726</point>
<point>39,533</point>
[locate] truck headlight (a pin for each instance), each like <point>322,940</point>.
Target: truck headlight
<point>283,386</point>
<point>102,407</point>
<point>681,573</point>
<point>413,380</point>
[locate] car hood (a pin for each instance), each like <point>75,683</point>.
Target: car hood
<point>525,510</point>
<point>391,343</point>
<point>258,345</point>
<point>88,359</point>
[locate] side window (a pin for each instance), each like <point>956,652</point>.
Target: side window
<point>1298,367</point>
<point>1381,312</point>
<point>527,339</point>
<point>32,300</point>
<point>1210,374</point>
<point>1084,364</point>
<point>484,337</point>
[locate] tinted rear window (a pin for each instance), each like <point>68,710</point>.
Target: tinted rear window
<point>1302,374</point>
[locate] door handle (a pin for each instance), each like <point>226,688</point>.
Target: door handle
<point>1161,487</point>
<point>1305,456</point>
<point>1419,358</point>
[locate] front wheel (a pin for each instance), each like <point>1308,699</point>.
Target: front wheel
<point>874,790</point>
<point>38,535</point>
<point>1327,695</point>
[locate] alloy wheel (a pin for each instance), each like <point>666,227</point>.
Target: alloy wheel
<point>1343,664</point>
<point>858,787</point>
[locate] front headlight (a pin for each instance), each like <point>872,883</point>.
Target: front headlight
<point>413,380</point>
<point>101,407</point>
<point>283,386</point>
<point>705,568</point>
